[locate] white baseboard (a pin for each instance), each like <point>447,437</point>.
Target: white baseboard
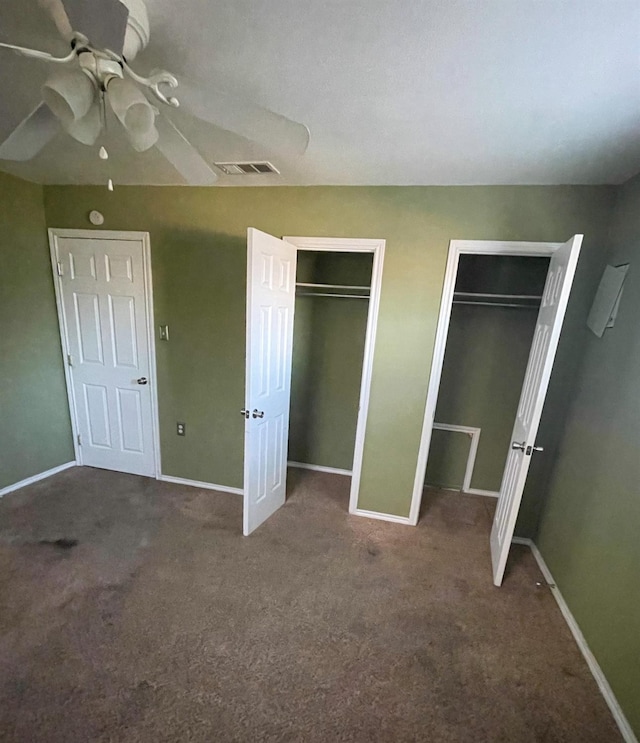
<point>441,487</point>
<point>382,516</point>
<point>36,478</point>
<point>202,485</point>
<point>597,672</point>
<point>320,468</point>
<point>469,491</point>
<point>522,540</point>
<point>478,491</point>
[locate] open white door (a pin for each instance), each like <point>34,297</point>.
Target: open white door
<point>562,268</point>
<point>271,287</point>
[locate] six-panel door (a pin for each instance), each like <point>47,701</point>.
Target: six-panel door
<point>102,290</point>
<point>562,268</point>
<point>270,306</point>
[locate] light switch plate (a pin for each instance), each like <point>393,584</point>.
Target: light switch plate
<point>164,332</point>
<point>181,429</point>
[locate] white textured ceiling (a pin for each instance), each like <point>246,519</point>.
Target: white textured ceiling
<point>405,92</point>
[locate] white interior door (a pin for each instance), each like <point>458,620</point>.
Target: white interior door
<point>101,292</point>
<point>562,268</point>
<point>271,286</point>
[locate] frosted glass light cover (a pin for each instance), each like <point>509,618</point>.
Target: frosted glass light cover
<point>134,112</point>
<point>87,129</point>
<point>69,94</point>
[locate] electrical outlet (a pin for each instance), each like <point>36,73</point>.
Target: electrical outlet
<point>164,332</point>
<point>181,429</point>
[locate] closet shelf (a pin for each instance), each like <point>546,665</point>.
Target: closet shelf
<point>528,301</point>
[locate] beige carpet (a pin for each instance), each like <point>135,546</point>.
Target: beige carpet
<point>132,610</point>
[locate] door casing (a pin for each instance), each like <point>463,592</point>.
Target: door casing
<point>143,238</point>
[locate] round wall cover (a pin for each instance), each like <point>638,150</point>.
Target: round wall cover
<point>96,218</point>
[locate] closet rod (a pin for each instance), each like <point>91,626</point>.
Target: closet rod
<point>498,296</point>
<point>333,286</point>
<point>497,304</point>
<point>329,294</point>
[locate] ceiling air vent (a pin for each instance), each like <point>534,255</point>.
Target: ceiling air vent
<point>247,168</point>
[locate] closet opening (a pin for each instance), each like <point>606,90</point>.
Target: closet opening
<point>311,411</point>
<point>332,327</point>
<point>493,318</point>
<point>501,314</point>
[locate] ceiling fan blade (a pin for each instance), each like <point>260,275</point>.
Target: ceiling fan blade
<point>29,137</point>
<point>183,155</point>
<point>56,10</point>
<point>226,110</point>
<point>103,22</point>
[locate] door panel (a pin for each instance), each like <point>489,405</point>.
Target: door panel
<point>118,268</point>
<point>123,331</point>
<point>87,317</point>
<point>97,415</point>
<point>534,389</point>
<point>271,271</point>
<point>130,420</point>
<point>102,292</point>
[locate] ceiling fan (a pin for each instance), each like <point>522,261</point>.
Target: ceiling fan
<point>105,36</point>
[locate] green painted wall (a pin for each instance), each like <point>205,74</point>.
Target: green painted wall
<point>326,389</point>
<point>199,279</point>
<point>485,361</point>
<point>590,528</point>
<point>328,352</point>
<point>198,248</point>
<point>35,434</point>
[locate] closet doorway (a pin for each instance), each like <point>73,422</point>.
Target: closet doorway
<point>305,287</point>
<point>485,282</point>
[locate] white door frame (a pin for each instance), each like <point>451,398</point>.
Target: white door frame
<point>474,434</point>
<point>352,245</point>
<point>456,249</point>
<point>143,237</point>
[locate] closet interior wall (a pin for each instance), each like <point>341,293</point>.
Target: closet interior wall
<point>484,365</point>
<point>328,353</point>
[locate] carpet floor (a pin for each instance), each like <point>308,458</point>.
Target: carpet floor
<point>135,610</point>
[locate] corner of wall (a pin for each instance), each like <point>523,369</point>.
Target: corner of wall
<point>36,432</point>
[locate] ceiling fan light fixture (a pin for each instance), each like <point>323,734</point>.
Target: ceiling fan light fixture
<point>69,94</point>
<point>143,142</point>
<point>105,36</point>
<point>88,128</point>
<point>134,112</point>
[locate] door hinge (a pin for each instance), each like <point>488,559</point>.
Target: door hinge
<point>59,267</point>
<point>70,359</point>
<point>79,440</point>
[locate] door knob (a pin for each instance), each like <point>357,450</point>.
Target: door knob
<point>258,413</point>
<point>244,412</point>
<point>142,380</point>
<point>526,449</point>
